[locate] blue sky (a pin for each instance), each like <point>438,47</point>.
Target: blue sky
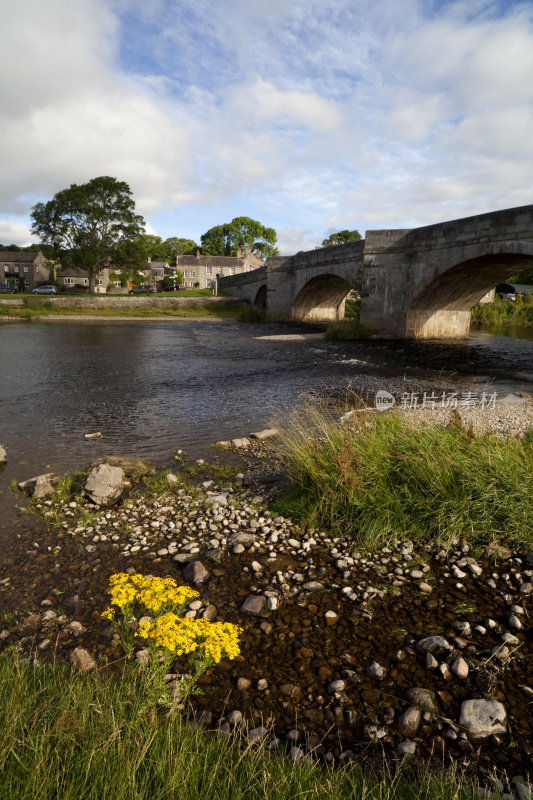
<point>310,116</point>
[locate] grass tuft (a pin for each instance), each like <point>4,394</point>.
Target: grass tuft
<point>347,330</point>
<point>384,478</point>
<point>69,735</point>
<point>251,314</point>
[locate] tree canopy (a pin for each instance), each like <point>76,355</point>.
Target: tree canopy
<point>341,237</point>
<point>226,239</point>
<point>91,225</point>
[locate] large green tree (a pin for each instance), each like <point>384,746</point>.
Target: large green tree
<point>225,240</point>
<point>88,225</point>
<point>341,237</point>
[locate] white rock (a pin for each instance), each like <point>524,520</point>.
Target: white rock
<point>482,718</point>
<point>459,668</point>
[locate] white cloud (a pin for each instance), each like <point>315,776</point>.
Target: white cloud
<point>367,114</point>
<point>15,233</point>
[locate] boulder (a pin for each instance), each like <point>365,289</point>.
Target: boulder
<point>433,644</point>
<point>246,539</point>
<point>130,466</point>
<point>105,484</point>
<point>41,486</point>
<point>482,718</point>
<point>408,723</point>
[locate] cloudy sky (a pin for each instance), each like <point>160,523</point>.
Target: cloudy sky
<point>308,115</point>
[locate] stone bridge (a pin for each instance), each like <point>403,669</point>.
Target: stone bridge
<point>415,283</point>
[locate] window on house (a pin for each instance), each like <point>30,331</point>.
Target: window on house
<point>232,270</point>
<point>26,282</point>
<point>68,281</point>
<point>86,281</point>
<point>191,284</point>
<point>192,273</point>
<point>185,273</point>
<point>208,270</point>
<point>26,269</point>
<point>100,282</point>
<point>6,268</point>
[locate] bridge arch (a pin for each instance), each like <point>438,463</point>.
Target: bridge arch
<point>442,308</point>
<point>321,299</point>
<point>260,301</point>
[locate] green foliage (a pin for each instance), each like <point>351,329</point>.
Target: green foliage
<point>398,479</point>
<point>69,735</point>
<point>225,240</point>
<point>176,246</point>
<point>341,237</point>
<point>90,225</point>
<point>347,330</point>
<point>504,313</point>
<point>251,314</point>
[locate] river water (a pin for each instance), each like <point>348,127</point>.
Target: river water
<point>153,387</point>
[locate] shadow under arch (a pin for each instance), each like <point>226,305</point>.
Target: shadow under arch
<point>442,309</point>
<point>260,301</point>
<point>321,299</point>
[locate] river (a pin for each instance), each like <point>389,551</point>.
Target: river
<point>154,387</point>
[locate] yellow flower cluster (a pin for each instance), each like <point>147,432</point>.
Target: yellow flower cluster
<point>184,635</point>
<point>153,594</point>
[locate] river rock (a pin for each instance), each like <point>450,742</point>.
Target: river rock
<point>41,486</point>
<point>131,467</point>
<point>376,671</point>
<point>268,433</point>
<point>460,668</point>
<point>409,722</point>
<point>406,749</point>
<point>422,698</point>
<point>3,455</point>
<point>216,499</point>
<point>105,484</point>
<point>96,435</point>
<point>246,539</point>
<point>433,644</point>
<point>240,442</point>
<point>82,659</point>
<point>255,604</point>
<point>482,718</point>
<point>195,572</point>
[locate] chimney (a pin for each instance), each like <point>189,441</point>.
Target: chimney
<point>197,253</point>
<point>239,252</point>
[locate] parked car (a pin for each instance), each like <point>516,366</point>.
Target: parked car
<point>45,290</point>
<point>6,288</point>
<point>142,289</point>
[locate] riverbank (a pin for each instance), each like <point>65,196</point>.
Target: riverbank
<point>347,655</point>
<point>121,308</point>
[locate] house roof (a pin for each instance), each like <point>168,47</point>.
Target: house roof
<point>26,256</point>
<point>72,272</point>
<point>210,261</point>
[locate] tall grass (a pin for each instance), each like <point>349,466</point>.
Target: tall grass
<point>69,735</point>
<point>387,478</point>
<point>251,314</point>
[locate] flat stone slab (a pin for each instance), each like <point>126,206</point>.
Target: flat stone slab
<point>268,433</point>
<point>105,484</point>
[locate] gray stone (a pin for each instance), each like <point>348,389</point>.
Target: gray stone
<point>210,613</point>
<point>459,668</point>
<point>373,732</point>
<point>131,467</point>
<point>172,479</point>
<point>408,723</point>
<point>406,749</point>
<point>313,586</point>
<point>422,698</point>
<point>195,572</point>
<point>255,604</point>
<point>247,539</point>
<point>105,484</point>
<point>482,718</point>
<point>41,486</point>
<point>235,717</point>
<point>96,435</point>
<point>217,499</point>
<point>268,433</point>
<point>433,644</point>
<point>182,558</point>
<point>240,442</point>
<point>376,671</point>
<point>257,734</point>
<point>526,588</point>
<point>82,659</point>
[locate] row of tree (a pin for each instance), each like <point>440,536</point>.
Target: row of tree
<point>94,225</point>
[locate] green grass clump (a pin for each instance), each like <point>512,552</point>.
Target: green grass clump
<point>69,735</point>
<point>251,314</point>
<point>388,478</point>
<point>347,330</point>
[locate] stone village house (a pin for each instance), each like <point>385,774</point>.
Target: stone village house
<point>203,270</point>
<point>25,270</point>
